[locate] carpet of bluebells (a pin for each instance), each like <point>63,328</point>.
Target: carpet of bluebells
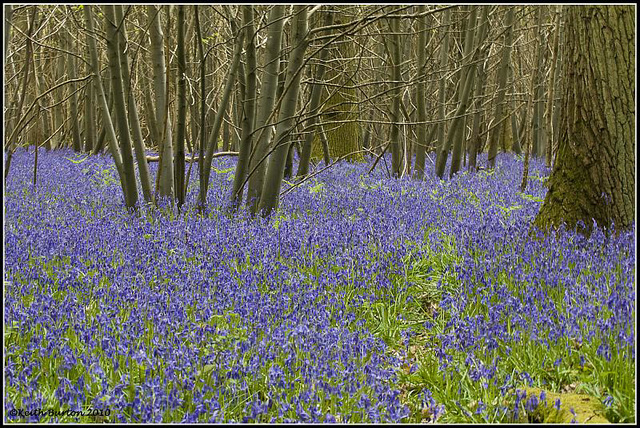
<point>362,299</point>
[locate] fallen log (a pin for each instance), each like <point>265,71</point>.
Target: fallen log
<point>195,158</point>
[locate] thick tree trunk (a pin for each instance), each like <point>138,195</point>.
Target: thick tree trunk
<point>340,112</point>
<point>594,174</point>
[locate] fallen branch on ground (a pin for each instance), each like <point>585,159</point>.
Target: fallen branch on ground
<point>195,158</point>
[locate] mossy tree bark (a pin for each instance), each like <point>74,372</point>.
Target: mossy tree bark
<point>340,110</point>
<point>593,177</point>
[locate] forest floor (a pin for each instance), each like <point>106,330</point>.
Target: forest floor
<point>362,299</point>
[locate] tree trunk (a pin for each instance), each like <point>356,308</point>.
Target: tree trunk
<point>499,122</point>
<point>120,106</point>
<point>442,88</point>
<point>275,169</point>
<point>248,107</point>
<point>464,90</point>
<point>265,107</point>
<point>314,104</point>
<point>181,125</point>
<point>515,131</point>
<point>552,85</point>
<point>164,187</point>
<point>134,121</point>
<point>537,123</point>
<point>102,101</point>
<point>421,147</point>
<point>72,66</point>
<point>594,174</point>
<point>339,108</point>
<point>212,142</point>
<point>396,76</point>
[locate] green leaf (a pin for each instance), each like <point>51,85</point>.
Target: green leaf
<point>317,188</point>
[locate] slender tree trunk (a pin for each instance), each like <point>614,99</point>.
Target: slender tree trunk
<point>149,113</point>
<point>102,137</point>
<point>593,179</point>
<point>43,113</point>
<point>473,42</point>
<point>538,105</point>
<point>314,105</point>
<point>442,89</point>
<point>163,120</point>
<point>265,106</point>
<point>134,120</point>
<point>500,117</point>
<point>465,88</point>
<point>421,148</point>
<point>552,84</point>
<point>213,136</point>
<point>120,106</point>
<point>203,114</point>
<point>476,135</point>
<point>396,76</point>
<point>275,169</point>
<point>8,11</point>
<point>72,65</point>
<point>89,121</point>
<point>515,131</point>
<point>102,100</point>
<point>181,124</point>
<point>248,108</point>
